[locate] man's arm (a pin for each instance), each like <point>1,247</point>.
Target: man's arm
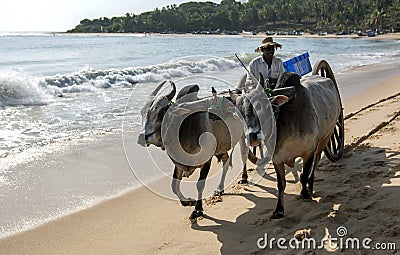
<point>250,76</point>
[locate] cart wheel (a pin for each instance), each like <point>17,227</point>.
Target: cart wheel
<point>323,69</point>
<point>335,146</point>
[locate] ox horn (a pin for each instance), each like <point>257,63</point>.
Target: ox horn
<point>214,92</point>
<point>155,91</point>
<point>290,92</point>
<point>171,94</point>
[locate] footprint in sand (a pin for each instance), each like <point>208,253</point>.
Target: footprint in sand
<point>340,218</point>
<point>374,173</point>
<point>369,206</point>
<point>392,232</point>
<point>390,211</point>
<point>348,180</point>
<point>289,222</point>
<point>260,221</point>
<point>263,217</point>
<point>367,193</point>
<point>362,216</point>
<point>317,216</point>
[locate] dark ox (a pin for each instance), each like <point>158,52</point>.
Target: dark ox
<point>201,120</point>
<point>304,126</point>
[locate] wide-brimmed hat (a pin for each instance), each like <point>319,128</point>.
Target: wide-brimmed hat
<point>268,41</point>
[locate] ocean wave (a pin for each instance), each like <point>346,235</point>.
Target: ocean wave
<point>17,89</point>
<point>246,58</point>
<point>26,33</point>
<point>91,79</point>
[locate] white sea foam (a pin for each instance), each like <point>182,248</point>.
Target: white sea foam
<point>17,89</point>
<point>26,33</point>
<point>90,79</point>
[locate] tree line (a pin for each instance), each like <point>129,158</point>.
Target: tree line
<point>255,15</point>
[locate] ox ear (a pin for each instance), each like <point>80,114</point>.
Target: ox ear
<point>233,96</point>
<point>279,100</point>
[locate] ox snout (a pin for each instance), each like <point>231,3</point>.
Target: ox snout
<point>142,140</point>
<point>146,140</point>
<point>253,139</point>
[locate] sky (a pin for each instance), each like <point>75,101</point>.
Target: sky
<point>61,15</point>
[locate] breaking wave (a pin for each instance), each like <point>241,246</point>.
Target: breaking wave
<point>19,89</point>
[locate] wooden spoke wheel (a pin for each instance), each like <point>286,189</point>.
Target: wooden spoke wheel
<point>335,146</point>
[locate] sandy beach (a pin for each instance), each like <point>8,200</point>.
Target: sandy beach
<point>391,36</point>
<point>395,36</point>
<point>359,192</point>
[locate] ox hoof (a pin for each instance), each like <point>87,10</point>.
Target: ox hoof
<point>305,196</point>
<point>243,181</point>
<point>189,202</point>
<point>218,193</point>
<point>195,215</point>
<point>277,215</point>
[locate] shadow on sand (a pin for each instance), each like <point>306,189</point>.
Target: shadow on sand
<point>353,192</point>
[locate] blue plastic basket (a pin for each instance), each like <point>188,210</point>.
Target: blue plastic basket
<point>300,64</point>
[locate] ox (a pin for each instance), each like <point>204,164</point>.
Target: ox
<point>304,126</point>
<point>190,144</point>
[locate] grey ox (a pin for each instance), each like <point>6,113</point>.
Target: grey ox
<point>304,126</point>
<point>192,150</point>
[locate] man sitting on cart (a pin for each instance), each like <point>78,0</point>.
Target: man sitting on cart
<point>266,64</point>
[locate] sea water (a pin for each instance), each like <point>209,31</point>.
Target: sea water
<point>58,89</point>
